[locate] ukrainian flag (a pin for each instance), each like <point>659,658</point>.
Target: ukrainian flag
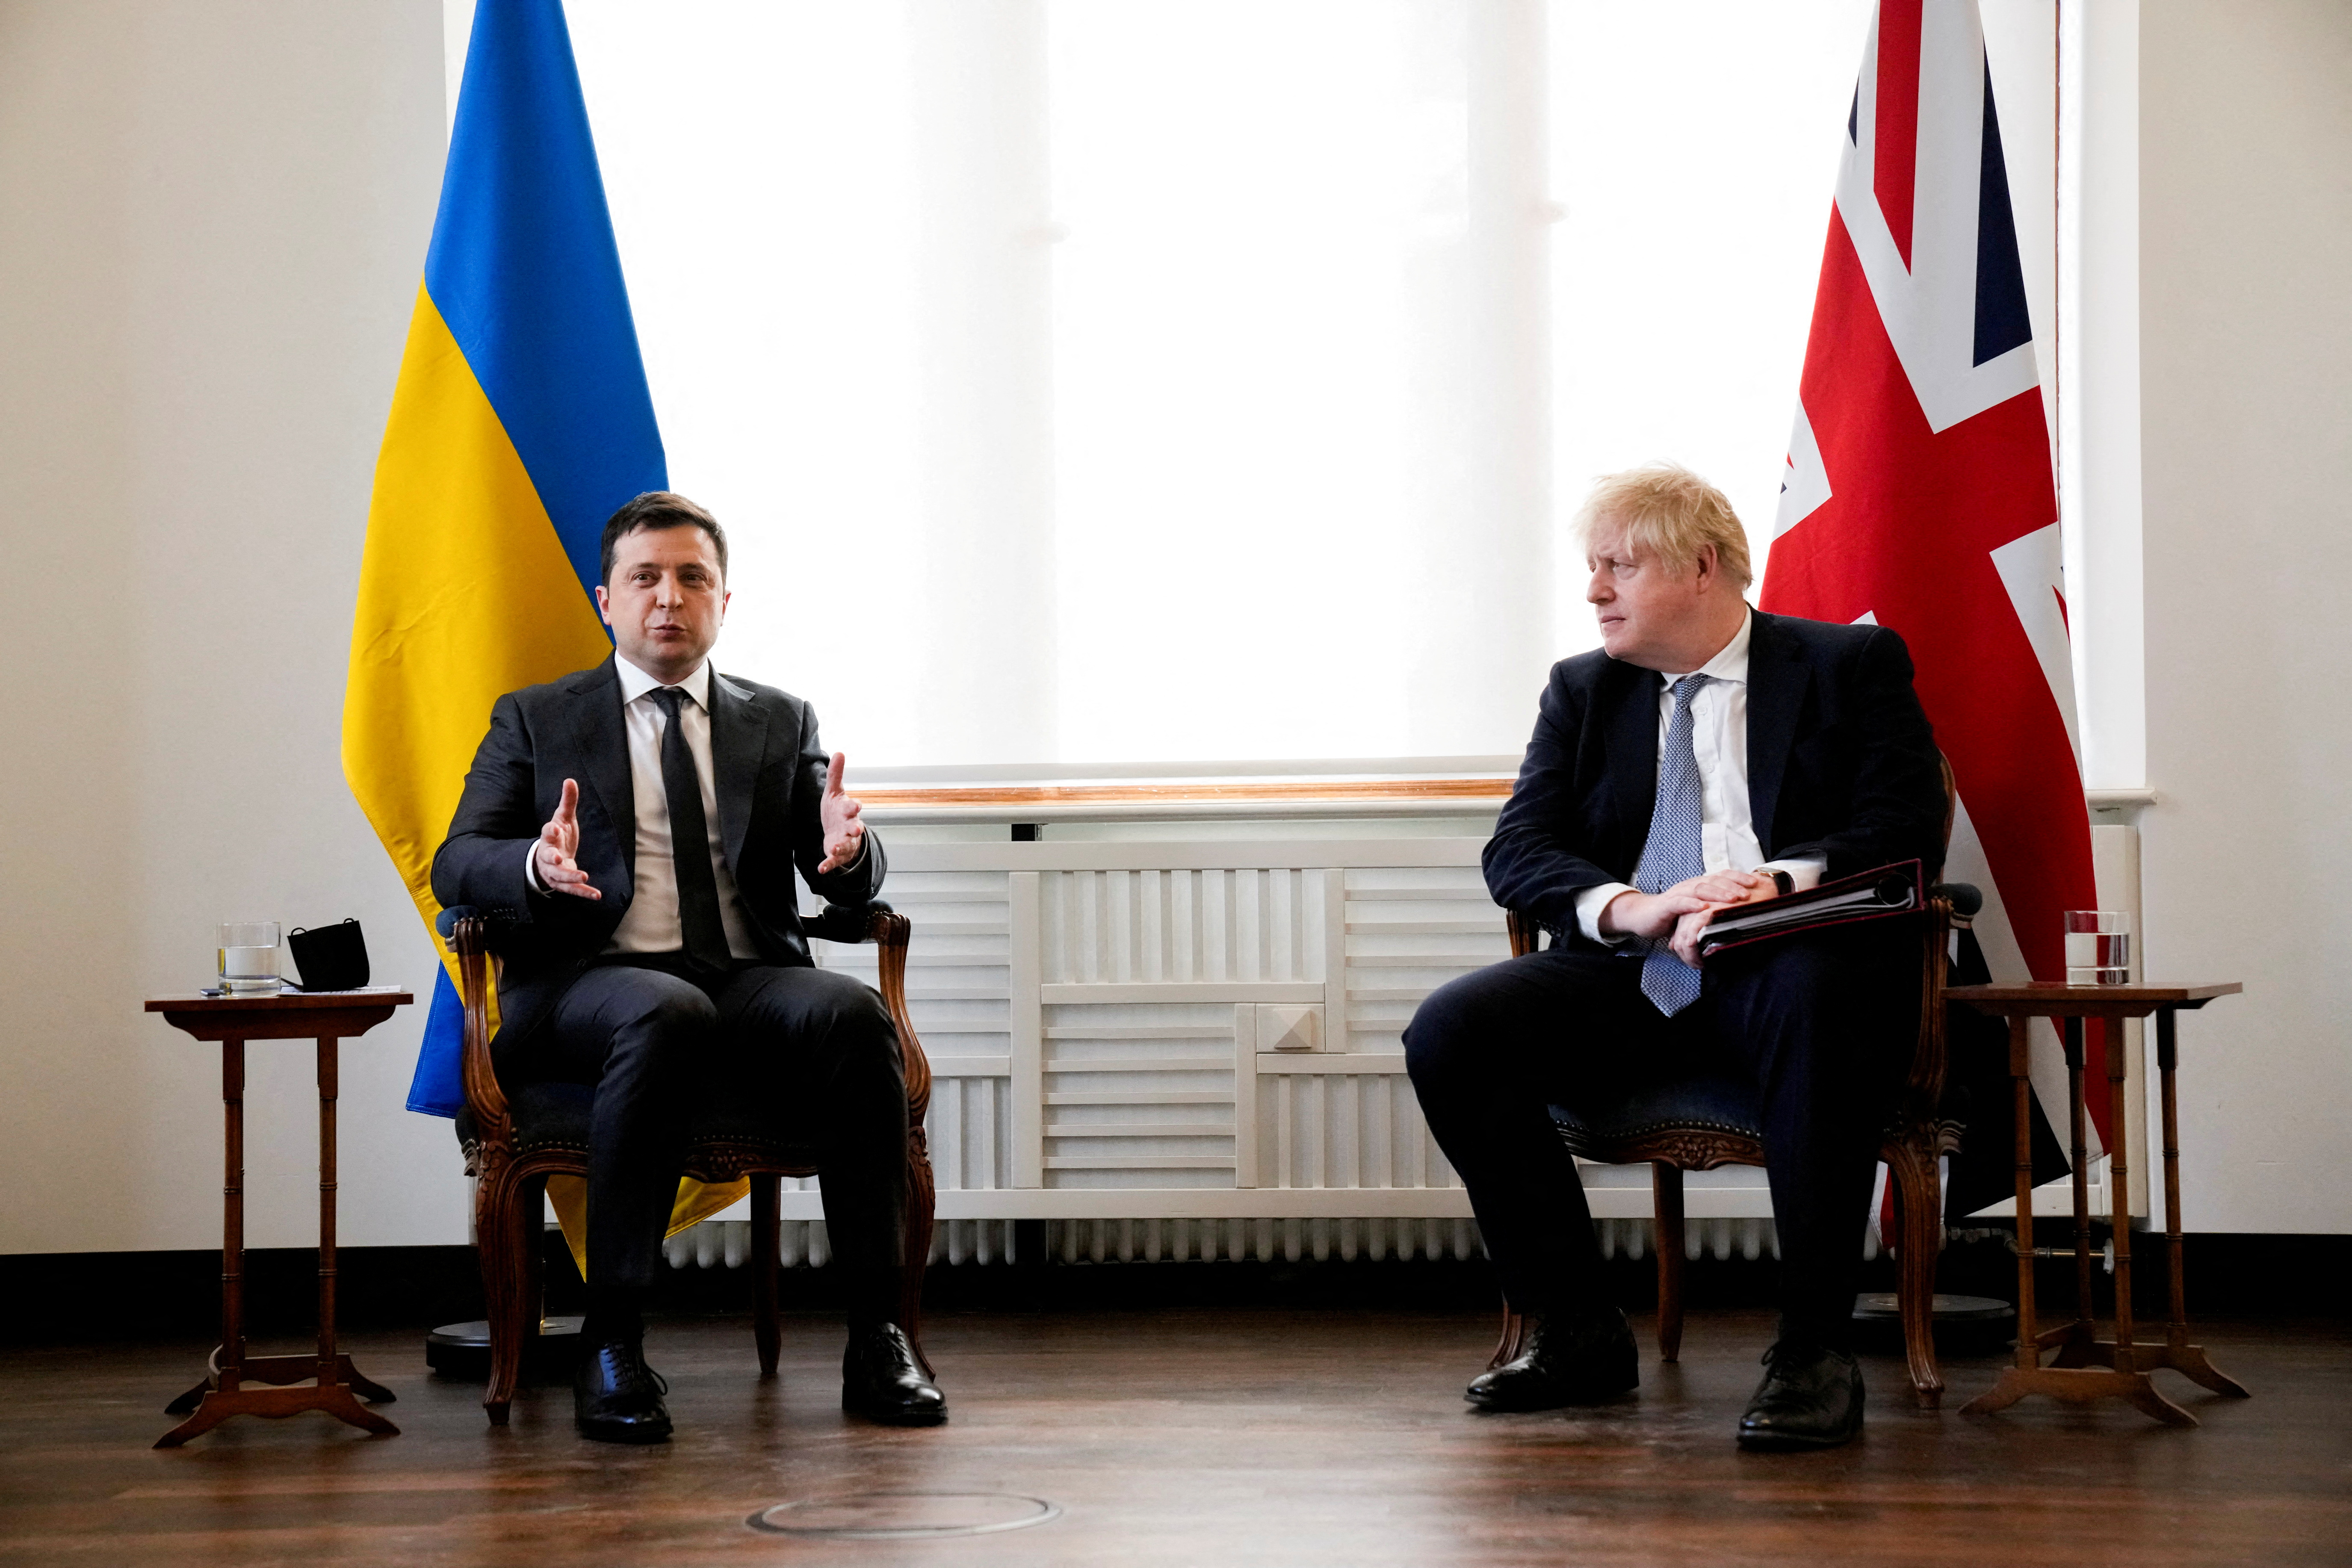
<point>520,422</point>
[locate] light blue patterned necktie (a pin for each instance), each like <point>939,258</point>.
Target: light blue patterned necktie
<point>1677,849</point>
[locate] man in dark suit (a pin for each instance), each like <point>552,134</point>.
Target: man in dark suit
<point>634,830</point>
<point>1705,756</point>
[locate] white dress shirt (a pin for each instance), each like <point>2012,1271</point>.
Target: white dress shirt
<point>1719,738</point>
<point>651,924</point>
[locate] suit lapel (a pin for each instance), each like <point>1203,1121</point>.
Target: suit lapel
<point>605,741</point>
<point>1775,691</point>
<point>1634,752</point>
<point>739,736</point>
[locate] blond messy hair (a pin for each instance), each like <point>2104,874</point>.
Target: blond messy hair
<point>1672,513</point>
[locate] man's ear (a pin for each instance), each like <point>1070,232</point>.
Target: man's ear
<point>1705,568</point>
<point>604,609</point>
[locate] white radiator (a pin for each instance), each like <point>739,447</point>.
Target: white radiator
<point>727,1243</point>
<point>1193,1048</point>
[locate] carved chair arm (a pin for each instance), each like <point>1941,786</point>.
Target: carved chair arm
<point>1951,907</point>
<point>468,933</point>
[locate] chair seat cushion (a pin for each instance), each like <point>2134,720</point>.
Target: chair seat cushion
<point>1708,1095</point>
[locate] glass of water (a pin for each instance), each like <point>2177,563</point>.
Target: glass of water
<point>249,958</point>
<point>2098,947</point>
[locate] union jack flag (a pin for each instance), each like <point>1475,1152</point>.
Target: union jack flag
<point>1919,494</point>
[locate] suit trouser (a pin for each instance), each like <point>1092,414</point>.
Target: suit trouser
<point>812,1050</point>
<point>1820,1021</point>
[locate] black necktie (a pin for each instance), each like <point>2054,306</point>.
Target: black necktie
<point>704,938</point>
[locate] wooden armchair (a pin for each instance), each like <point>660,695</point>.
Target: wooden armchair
<point>513,1143</point>
<point>1697,1123</point>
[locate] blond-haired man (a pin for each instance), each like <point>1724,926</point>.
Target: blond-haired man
<point>1705,756</point>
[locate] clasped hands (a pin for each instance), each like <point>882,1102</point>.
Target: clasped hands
<point>559,841</point>
<point>1679,915</point>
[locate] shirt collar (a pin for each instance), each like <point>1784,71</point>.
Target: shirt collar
<point>636,682</point>
<point>1731,664</point>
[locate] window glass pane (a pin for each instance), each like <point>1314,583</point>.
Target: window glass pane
<point>1240,185</point>
<point>1164,381</point>
<point>758,160</point>
<point>1694,147</point>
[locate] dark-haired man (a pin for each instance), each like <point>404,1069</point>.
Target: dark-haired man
<point>642,822</point>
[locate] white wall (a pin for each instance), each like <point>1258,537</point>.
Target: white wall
<point>2246,356</point>
<point>212,217</point>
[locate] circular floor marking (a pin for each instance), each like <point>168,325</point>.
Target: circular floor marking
<point>904,1516</point>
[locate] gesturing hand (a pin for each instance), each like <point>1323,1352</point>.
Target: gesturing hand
<point>559,841</point>
<point>845,835</point>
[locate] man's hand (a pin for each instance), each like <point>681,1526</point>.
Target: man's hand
<point>1651,915</point>
<point>845,835</point>
<point>559,841</point>
<point>1722,890</point>
<point>1679,916</point>
<point>1725,888</point>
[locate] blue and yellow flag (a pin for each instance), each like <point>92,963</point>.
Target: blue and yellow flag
<point>522,420</point>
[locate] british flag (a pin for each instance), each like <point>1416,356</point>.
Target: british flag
<point>1919,490</point>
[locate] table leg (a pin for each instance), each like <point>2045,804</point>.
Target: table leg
<point>2074,1340</point>
<point>2177,1353</point>
<point>2016,1383</point>
<point>227,1360</point>
<point>328,1091</point>
<point>332,1367</point>
<point>223,1394</point>
<point>2138,1389</point>
<point>232,1351</point>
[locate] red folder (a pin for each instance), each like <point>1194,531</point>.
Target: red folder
<point>1897,889</point>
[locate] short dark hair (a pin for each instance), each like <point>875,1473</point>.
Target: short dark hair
<point>659,509</point>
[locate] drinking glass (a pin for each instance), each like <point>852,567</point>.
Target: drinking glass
<point>2098,947</point>
<point>249,958</point>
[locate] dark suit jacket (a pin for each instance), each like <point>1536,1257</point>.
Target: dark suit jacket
<point>770,776</point>
<point>1841,764</point>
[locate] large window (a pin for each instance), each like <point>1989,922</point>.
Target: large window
<point>1097,383</point>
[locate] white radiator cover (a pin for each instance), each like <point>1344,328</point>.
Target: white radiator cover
<point>1095,1014</point>
<point>727,1243</point>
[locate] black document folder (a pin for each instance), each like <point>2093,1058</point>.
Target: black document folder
<point>1893,889</point>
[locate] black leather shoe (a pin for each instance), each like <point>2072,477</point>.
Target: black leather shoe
<point>616,1397</point>
<point>882,1381</point>
<point>1566,1362</point>
<point>1810,1398</point>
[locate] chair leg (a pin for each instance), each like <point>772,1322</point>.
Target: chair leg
<point>1919,1207</point>
<point>767,1257</point>
<point>532,1230</point>
<point>1667,1193</point>
<point>498,1233</point>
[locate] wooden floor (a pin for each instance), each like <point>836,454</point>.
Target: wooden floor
<point>1187,1439</point>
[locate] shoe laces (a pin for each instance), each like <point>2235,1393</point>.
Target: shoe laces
<point>635,1375</point>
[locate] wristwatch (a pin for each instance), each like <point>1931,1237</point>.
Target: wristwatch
<point>1782,880</point>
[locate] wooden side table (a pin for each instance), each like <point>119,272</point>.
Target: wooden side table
<point>328,1017</point>
<point>2087,1367</point>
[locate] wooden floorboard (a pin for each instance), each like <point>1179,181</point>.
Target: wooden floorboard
<point>1188,1439</point>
